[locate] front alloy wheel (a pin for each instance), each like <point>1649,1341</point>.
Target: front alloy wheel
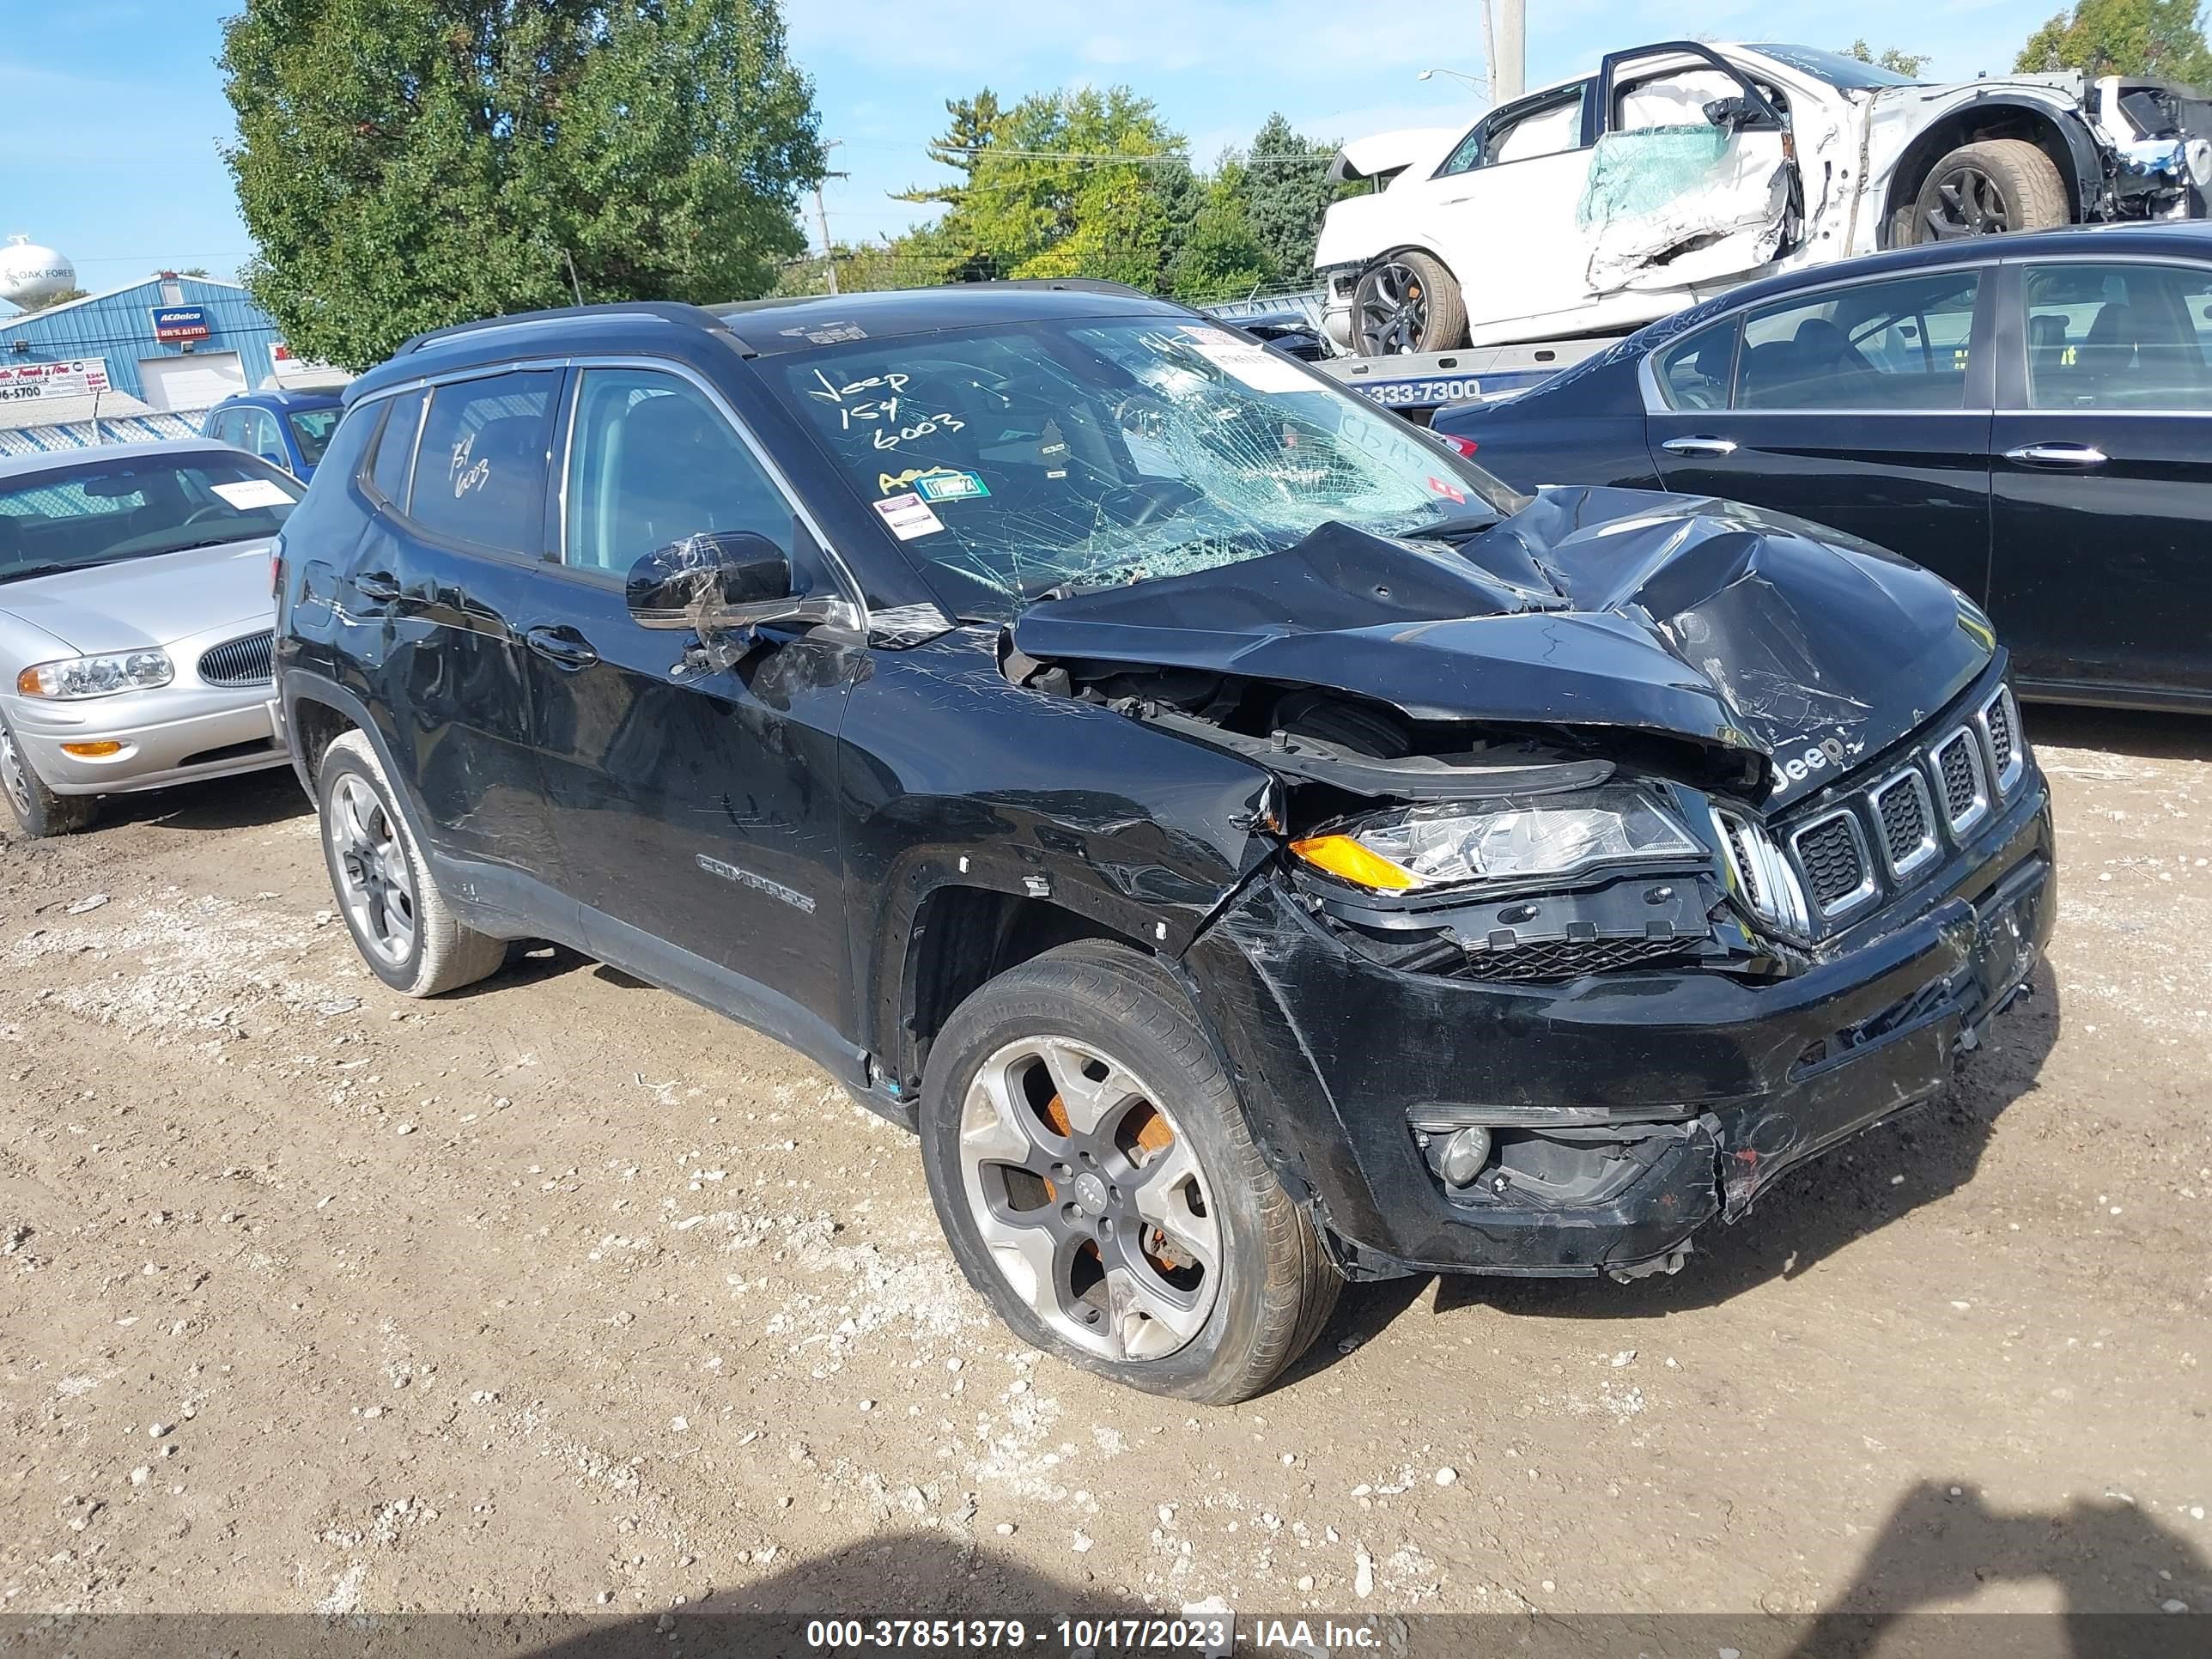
<point>1096,1179</point>
<point>1091,1204</point>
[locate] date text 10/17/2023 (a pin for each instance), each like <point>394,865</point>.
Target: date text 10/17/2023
<point>1201,1635</point>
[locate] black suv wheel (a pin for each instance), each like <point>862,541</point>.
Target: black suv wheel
<point>398,921</point>
<point>1093,1170</point>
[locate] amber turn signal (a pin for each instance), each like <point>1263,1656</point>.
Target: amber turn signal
<point>1341,856</point>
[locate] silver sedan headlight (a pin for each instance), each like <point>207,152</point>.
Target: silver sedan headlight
<point>96,676</point>
<point>1539,835</point>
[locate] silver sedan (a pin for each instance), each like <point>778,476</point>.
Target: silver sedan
<point>135,622</point>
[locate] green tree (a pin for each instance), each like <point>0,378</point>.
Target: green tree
<point>1221,257</point>
<point>409,164</point>
<point>59,297</point>
<point>2162,38</point>
<point>1286,191</point>
<point>1064,185</point>
<point>958,146</point>
<point>1908,64</point>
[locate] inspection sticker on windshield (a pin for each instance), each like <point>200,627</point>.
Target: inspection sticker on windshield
<point>1450,492</point>
<point>950,486</point>
<point>910,516</point>
<point>249,493</point>
<point>1255,366</point>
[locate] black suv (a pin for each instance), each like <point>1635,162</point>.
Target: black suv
<point>1252,846</point>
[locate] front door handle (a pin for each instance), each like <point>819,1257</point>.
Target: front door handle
<point>379,585</point>
<point>564,648</point>
<point>1707,446</point>
<point>2057,455</point>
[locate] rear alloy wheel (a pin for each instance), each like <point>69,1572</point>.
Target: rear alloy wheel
<point>1404,304</point>
<point>1097,1182</point>
<point>39,811</point>
<point>1988,189</point>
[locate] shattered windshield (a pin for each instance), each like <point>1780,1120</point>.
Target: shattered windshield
<point>1848,74</point>
<point>1017,461</point>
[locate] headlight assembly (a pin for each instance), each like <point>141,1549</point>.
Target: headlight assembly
<point>1536,836</point>
<point>96,676</point>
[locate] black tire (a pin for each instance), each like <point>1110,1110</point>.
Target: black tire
<point>1275,1287</point>
<point>1427,311</point>
<point>437,953</point>
<point>38,810</point>
<point>1987,189</point>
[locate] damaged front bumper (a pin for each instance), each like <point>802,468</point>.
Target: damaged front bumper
<point>1624,1110</point>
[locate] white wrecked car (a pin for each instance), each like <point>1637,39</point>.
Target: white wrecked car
<point>1678,169</point>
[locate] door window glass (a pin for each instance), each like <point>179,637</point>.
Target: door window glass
<point>480,470</point>
<point>1676,99</point>
<point>652,460</point>
<point>2118,336</point>
<point>1694,372</point>
<point>310,430</point>
<point>1548,128</point>
<point>1899,344</point>
<point>268,443</point>
<point>395,449</point>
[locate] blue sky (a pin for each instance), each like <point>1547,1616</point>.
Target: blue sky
<point>115,108</point>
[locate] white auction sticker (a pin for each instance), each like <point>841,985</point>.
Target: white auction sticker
<point>910,516</point>
<point>1255,366</point>
<point>249,493</point>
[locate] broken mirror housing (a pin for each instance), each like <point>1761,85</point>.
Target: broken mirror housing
<point>1512,840</point>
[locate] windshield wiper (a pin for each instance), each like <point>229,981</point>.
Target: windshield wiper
<point>30,570</point>
<point>1451,529</point>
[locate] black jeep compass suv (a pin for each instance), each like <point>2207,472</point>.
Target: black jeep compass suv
<point>1251,845</point>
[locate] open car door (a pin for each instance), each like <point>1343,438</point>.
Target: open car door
<point>1693,177</point>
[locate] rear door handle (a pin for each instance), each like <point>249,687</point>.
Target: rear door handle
<point>2057,455</point>
<point>564,648</point>
<point>379,585</point>
<point>1700,446</point>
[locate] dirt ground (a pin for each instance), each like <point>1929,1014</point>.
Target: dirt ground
<point>562,1294</point>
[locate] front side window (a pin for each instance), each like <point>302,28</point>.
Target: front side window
<point>100,511</point>
<point>1010,461</point>
<point>1675,98</point>
<point>2118,336</point>
<point>1898,344</point>
<point>652,461</point>
<point>480,468</point>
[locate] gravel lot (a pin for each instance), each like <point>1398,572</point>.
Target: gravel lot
<point>562,1294</point>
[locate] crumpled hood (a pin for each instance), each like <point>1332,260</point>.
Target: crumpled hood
<point>137,603</point>
<point>1700,618</point>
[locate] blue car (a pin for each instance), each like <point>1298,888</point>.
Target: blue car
<point>284,428</point>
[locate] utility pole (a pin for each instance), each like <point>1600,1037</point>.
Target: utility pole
<point>1509,69</point>
<point>822,218</point>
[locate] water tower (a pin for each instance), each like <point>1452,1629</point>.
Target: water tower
<point>30,275</point>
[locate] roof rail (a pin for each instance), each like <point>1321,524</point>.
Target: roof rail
<point>1072,284</point>
<point>668,311</point>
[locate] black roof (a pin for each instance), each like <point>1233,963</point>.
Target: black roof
<point>760,327</point>
<point>2188,238</point>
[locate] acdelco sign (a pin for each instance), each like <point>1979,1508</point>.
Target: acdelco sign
<point>174,322</point>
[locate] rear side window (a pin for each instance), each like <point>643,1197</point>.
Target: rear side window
<point>480,468</point>
<point>1899,344</point>
<point>395,449</point>
<point>1694,372</point>
<point>2118,336</point>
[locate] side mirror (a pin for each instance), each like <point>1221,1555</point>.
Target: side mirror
<point>722,580</point>
<point>1732,114</point>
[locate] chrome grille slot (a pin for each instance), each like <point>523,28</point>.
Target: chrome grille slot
<point>1832,855</point>
<point>1763,876</point>
<point>1957,766</point>
<point>2000,722</point>
<point>1907,819</point>
<point>247,661</point>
